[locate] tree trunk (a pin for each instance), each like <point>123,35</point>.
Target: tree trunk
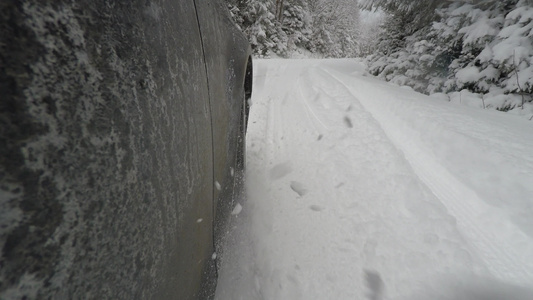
<point>279,9</point>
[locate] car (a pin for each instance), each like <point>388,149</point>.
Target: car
<point>122,139</point>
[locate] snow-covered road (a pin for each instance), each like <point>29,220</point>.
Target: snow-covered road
<point>358,189</point>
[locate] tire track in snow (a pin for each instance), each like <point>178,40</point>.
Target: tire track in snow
<point>275,121</point>
<point>507,258</point>
<point>313,118</point>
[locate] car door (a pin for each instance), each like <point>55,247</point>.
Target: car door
<point>229,62</point>
<point>106,163</point>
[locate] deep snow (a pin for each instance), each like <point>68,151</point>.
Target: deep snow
<point>359,189</point>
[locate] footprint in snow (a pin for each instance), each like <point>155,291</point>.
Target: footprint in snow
<point>298,188</point>
<point>375,285</point>
<point>316,207</point>
<point>348,122</point>
<point>280,170</point>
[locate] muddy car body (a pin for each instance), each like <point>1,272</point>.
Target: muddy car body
<point>122,138</point>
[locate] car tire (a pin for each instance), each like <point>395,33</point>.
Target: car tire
<point>239,187</point>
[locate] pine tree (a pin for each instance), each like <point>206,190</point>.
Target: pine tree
<point>485,47</point>
<point>329,27</point>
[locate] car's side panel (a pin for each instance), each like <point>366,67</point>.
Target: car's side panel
<point>227,53</point>
<point>105,150</point>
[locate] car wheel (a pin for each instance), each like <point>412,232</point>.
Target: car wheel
<point>239,188</point>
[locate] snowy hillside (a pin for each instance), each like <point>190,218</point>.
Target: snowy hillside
<point>359,189</point>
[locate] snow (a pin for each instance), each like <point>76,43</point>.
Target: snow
<point>237,209</point>
<point>480,29</point>
<point>360,189</point>
<point>468,74</point>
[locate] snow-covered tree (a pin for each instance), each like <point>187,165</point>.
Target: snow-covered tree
<point>335,27</point>
<point>485,47</point>
<point>328,27</point>
<point>258,22</point>
<point>296,23</point>
<point>368,29</point>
